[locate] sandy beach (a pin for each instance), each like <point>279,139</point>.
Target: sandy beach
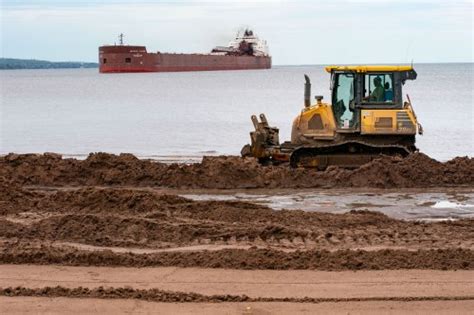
<point>115,231</point>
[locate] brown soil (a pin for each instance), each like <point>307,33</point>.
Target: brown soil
<point>169,296</point>
<point>253,258</point>
<point>143,218</point>
<point>55,225</point>
<point>226,172</point>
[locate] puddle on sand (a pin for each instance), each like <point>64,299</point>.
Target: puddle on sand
<point>414,205</point>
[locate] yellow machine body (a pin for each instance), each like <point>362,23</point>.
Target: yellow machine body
<point>388,122</point>
<point>318,122</point>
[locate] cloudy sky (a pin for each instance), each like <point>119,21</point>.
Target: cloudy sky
<point>298,32</point>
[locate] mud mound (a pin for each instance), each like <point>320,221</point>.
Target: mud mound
<point>129,217</point>
<point>417,170</point>
<point>13,199</point>
<point>157,295</point>
<point>131,201</point>
<point>98,169</point>
<point>92,200</point>
<point>413,170</point>
<point>139,232</point>
<point>441,259</point>
<point>117,231</point>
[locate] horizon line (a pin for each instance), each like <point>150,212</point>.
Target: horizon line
<point>280,65</point>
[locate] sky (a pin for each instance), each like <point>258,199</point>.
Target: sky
<point>297,32</point>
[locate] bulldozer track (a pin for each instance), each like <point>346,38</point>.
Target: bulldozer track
<point>322,156</point>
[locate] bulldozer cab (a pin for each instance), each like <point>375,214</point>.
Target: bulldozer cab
<point>365,87</point>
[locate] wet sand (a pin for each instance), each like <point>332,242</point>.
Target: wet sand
<point>16,305</point>
<point>271,284</point>
<point>67,224</point>
<point>258,291</point>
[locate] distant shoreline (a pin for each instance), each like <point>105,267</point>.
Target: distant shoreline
<point>16,64</point>
<point>34,64</point>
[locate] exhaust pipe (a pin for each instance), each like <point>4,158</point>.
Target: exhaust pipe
<point>307,91</point>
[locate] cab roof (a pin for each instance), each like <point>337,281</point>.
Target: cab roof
<point>370,68</point>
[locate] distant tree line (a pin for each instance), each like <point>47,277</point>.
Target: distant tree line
<point>11,63</point>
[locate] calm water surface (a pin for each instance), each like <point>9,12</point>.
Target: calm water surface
<point>409,204</point>
<point>78,111</point>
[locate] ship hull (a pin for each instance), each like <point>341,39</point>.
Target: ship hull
<point>123,59</point>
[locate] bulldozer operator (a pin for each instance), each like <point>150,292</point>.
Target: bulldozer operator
<point>377,94</point>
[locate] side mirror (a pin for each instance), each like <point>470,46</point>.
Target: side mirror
<point>408,75</point>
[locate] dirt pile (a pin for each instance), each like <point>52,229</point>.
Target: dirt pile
<point>227,172</point>
<point>414,171</point>
<point>253,258</point>
<point>157,295</point>
<point>143,218</point>
<point>14,199</point>
<point>97,169</point>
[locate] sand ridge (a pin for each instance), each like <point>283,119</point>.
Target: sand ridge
<point>226,172</point>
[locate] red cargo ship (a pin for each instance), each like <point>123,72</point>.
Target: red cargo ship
<point>246,51</point>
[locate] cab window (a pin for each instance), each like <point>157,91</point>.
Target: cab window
<point>379,88</point>
<point>344,99</point>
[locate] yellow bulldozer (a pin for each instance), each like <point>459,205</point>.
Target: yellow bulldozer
<point>367,117</point>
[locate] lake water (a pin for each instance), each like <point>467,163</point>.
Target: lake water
<point>410,204</point>
<point>191,114</point>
